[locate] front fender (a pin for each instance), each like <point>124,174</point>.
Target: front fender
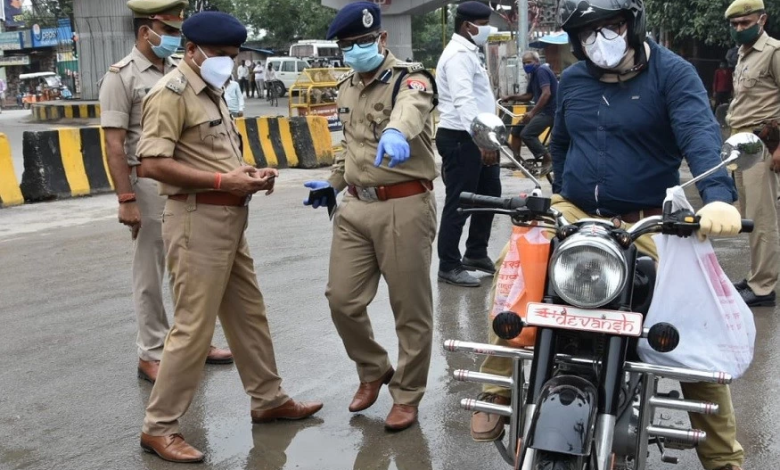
<point>564,418</point>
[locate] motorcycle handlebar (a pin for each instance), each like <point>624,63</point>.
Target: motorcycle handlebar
<point>490,202</point>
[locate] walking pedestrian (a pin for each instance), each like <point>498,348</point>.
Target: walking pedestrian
<point>386,223</point>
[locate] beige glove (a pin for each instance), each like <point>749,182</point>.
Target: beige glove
<point>718,218</point>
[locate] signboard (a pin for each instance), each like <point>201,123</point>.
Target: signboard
<point>10,41</point>
<point>13,13</point>
<point>51,37</point>
<point>329,111</point>
<point>11,60</point>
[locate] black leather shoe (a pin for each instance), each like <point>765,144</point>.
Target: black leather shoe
<point>458,277</point>
<point>741,285</point>
<point>485,265</point>
<point>753,300</point>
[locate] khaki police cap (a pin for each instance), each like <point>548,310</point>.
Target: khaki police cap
<point>170,12</point>
<point>744,8</point>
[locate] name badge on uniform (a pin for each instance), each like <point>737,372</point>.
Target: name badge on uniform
<point>343,110</point>
<point>215,123</point>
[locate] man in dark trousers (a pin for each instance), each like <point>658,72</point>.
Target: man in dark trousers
<point>465,92</point>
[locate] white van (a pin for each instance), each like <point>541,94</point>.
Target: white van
<point>315,49</point>
<point>288,69</point>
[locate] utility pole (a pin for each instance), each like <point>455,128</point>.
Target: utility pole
<point>522,36</point>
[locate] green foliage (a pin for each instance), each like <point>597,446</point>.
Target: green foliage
<point>283,21</point>
<point>45,13</point>
<point>429,38</point>
<point>701,20</point>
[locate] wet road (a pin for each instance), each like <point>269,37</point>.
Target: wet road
<point>70,399</point>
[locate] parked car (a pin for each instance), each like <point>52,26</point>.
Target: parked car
<point>288,69</point>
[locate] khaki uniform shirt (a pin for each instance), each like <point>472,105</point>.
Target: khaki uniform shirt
<point>366,111</point>
<point>187,120</point>
<point>756,84</point>
<point>122,91</point>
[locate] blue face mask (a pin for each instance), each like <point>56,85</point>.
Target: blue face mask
<point>168,45</point>
<point>364,59</point>
<point>530,68</point>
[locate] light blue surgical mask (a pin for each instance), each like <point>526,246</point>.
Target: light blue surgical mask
<point>364,59</point>
<point>168,45</point>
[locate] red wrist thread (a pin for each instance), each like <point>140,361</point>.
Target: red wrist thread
<point>217,181</point>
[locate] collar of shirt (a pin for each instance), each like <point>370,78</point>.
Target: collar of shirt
<point>145,64</point>
<point>758,45</point>
<point>465,43</point>
<point>381,73</point>
<point>197,83</point>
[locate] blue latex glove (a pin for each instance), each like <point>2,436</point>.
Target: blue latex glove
<point>394,144</point>
<point>314,185</point>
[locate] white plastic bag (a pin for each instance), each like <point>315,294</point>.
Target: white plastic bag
<point>717,332</point>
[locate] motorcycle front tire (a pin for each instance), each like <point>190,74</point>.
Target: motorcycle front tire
<point>555,461</point>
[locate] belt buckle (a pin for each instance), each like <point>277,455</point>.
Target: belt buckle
<point>367,194</point>
<point>247,199</point>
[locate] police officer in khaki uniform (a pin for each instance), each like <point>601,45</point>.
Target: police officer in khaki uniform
<point>386,223</point>
<point>157,25</point>
<point>191,146</point>
<point>756,104</point>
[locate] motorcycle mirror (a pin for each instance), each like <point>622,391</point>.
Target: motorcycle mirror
<point>489,131</point>
<point>742,151</point>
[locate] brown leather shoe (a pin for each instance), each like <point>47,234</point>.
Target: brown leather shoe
<point>487,427</point>
<point>219,356</point>
<point>291,410</point>
<point>172,448</point>
<point>368,392</point>
<point>147,370</point>
<point>401,417</point>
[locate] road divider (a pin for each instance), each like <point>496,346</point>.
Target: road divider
<point>64,110</point>
<point>10,195</point>
<point>71,162</point>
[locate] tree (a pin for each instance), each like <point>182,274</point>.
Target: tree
<point>282,21</point>
<point>428,39</point>
<point>45,13</point>
<point>701,20</point>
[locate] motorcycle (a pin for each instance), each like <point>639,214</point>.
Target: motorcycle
<point>589,402</point>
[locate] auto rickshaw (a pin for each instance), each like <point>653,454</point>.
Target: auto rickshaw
<point>38,87</point>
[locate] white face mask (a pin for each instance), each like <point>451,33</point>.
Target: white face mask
<point>482,34</point>
<point>215,70</point>
<point>606,53</point>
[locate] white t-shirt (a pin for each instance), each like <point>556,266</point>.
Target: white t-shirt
<point>258,72</point>
<point>270,75</point>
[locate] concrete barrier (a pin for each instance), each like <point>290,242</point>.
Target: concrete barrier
<point>10,195</point>
<point>63,163</point>
<point>280,142</point>
<point>65,110</point>
<point>71,162</point>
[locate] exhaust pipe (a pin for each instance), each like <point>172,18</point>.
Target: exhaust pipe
<point>690,437</point>
<point>480,378</point>
<point>469,404</point>
<point>688,406</point>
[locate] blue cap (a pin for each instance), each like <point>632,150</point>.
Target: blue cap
<point>474,11</point>
<point>355,19</point>
<point>214,28</point>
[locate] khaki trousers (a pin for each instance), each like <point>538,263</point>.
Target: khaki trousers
<point>720,448</point>
<point>393,239</point>
<point>212,274</point>
<point>757,189</point>
<point>148,270</point>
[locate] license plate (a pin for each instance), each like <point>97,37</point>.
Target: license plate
<point>611,322</point>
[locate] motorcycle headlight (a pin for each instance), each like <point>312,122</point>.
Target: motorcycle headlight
<point>588,270</point>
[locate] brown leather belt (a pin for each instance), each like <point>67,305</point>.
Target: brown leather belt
<point>393,191</point>
<point>634,217</point>
<point>216,198</point>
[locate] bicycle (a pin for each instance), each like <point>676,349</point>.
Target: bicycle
<point>533,165</point>
<point>273,93</point>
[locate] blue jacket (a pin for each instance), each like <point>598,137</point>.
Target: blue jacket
<point>617,147</point>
